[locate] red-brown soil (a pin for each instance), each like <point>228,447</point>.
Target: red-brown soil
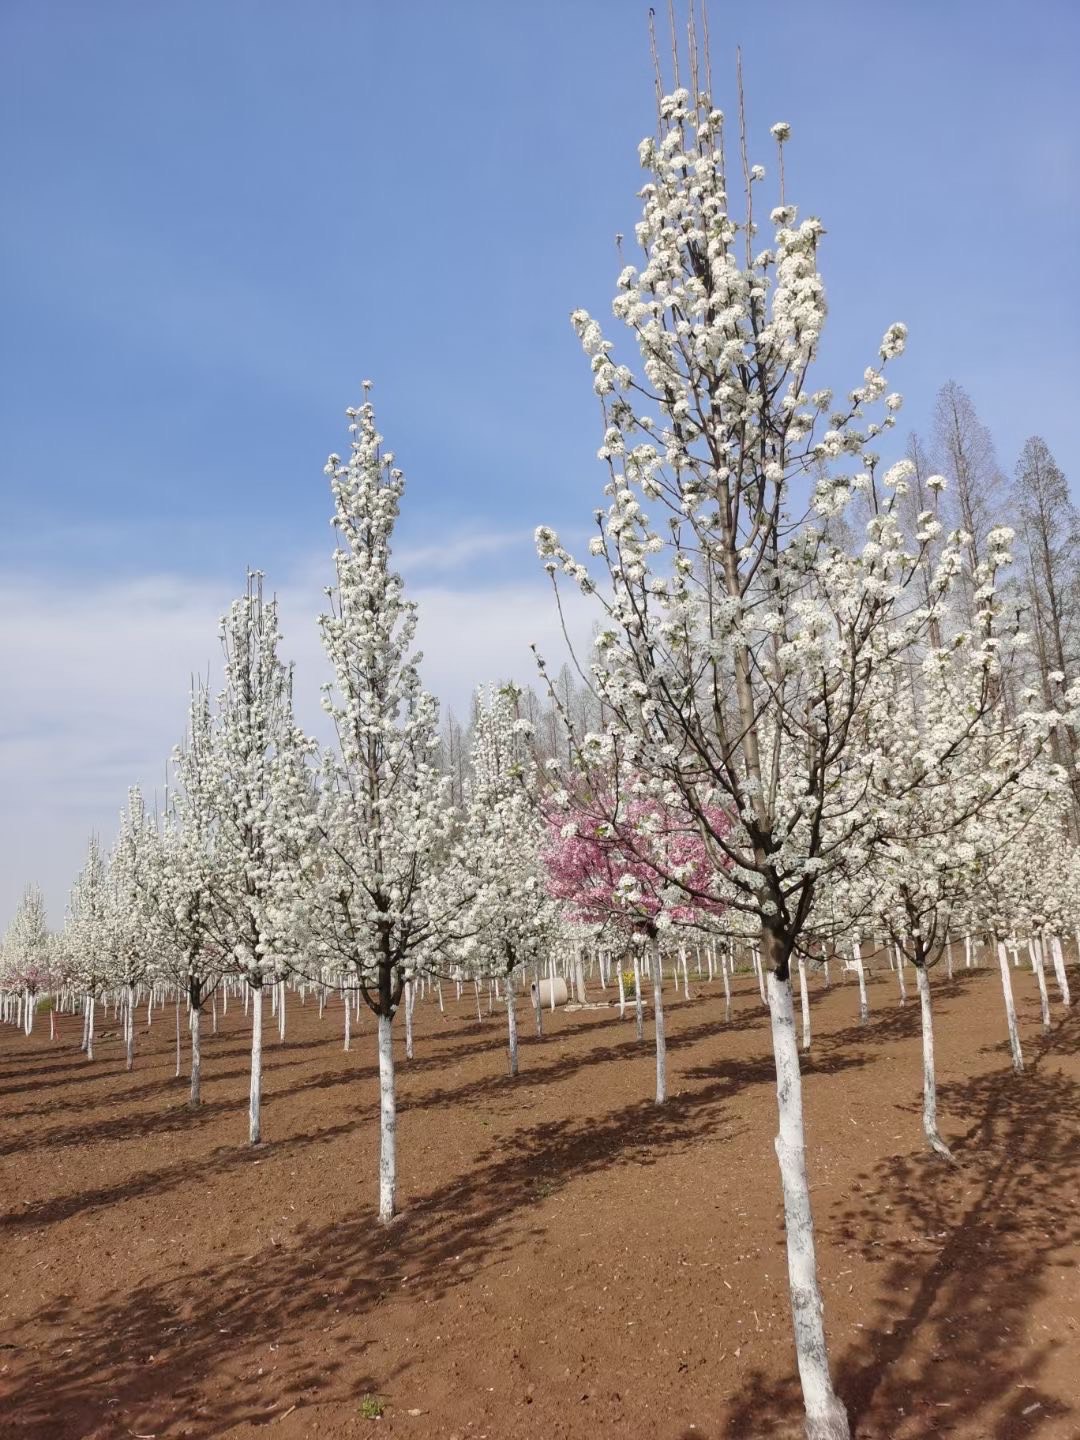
<point>571,1260</point>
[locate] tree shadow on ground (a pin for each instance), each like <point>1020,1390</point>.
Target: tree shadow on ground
<point>960,1260</point>
<point>135,1351</point>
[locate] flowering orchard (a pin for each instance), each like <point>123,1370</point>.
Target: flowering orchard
<point>831,710</point>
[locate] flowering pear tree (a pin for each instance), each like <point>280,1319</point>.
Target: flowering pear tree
<point>262,800</point>
<point>183,877</point>
<point>372,901</point>
<point>740,628</point>
<point>938,784</point>
<point>511,920</point>
<point>128,919</point>
<point>26,954</point>
<point>85,944</point>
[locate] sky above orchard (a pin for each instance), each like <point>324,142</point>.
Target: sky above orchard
<point>218,219</point>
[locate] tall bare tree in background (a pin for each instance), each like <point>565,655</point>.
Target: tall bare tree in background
<point>964,453</point>
<point>1049,527</point>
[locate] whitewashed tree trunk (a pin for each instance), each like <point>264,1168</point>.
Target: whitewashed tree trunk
<point>860,971</point>
<point>967,951</point>
<point>661,1042</point>
<point>1010,1010</point>
<point>926,1015</point>
<point>622,994</point>
<point>52,1022</point>
<point>348,1022</point>
<point>213,1013</point>
<point>387,1123</point>
<point>90,1028</point>
<point>178,1036</point>
<point>826,1418</point>
<point>900,975</point>
<point>639,1008</point>
<point>948,957</point>
<point>1040,976</point>
<point>511,1023</point>
<point>410,1000</point>
<point>724,971</point>
<point>1059,971</point>
<point>196,1057</point>
<point>281,1012</point>
<point>129,1062</point>
<point>579,975</point>
<point>760,971</point>
<point>804,998</point>
<point>255,1089</point>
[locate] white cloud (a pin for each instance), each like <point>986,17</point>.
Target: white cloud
<point>96,680</point>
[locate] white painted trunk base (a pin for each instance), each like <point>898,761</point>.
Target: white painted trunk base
<point>826,1418</point>
<point>387,1122</point>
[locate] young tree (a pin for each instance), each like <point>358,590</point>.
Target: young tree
<point>621,860</point>
<point>740,632</point>
<point>129,911</point>
<point>263,805</point>
<point>511,920</point>
<point>373,902</point>
<point>26,954</point>
<point>85,941</point>
<point>182,877</point>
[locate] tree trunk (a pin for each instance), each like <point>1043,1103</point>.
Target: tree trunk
<point>929,1110</point>
<point>511,1023</point>
<point>255,1089</point>
<point>639,1012</point>
<point>1059,970</point>
<point>579,975</point>
<point>410,1000</point>
<point>1040,975</point>
<point>348,1021</point>
<point>804,997</point>
<point>196,1056</point>
<point>661,1043</point>
<point>900,975</point>
<point>178,1036</point>
<point>130,1035</point>
<point>387,1123</point>
<point>864,1004</point>
<point>727,986</point>
<point>826,1418</point>
<point>622,994</point>
<point>90,1028</point>
<point>1010,1010</point>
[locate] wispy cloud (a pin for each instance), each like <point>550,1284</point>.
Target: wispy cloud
<point>98,676</point>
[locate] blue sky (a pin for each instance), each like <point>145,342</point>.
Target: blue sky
<point>219,217</point>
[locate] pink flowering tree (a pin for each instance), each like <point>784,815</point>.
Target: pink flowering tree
<point>639,866</point>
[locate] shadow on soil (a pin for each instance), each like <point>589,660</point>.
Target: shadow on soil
<point>992,1228</point>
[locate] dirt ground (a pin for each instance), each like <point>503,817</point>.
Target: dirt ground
<point>571,1261</point>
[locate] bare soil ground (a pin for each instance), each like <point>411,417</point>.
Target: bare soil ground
<point>571,1260</point>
